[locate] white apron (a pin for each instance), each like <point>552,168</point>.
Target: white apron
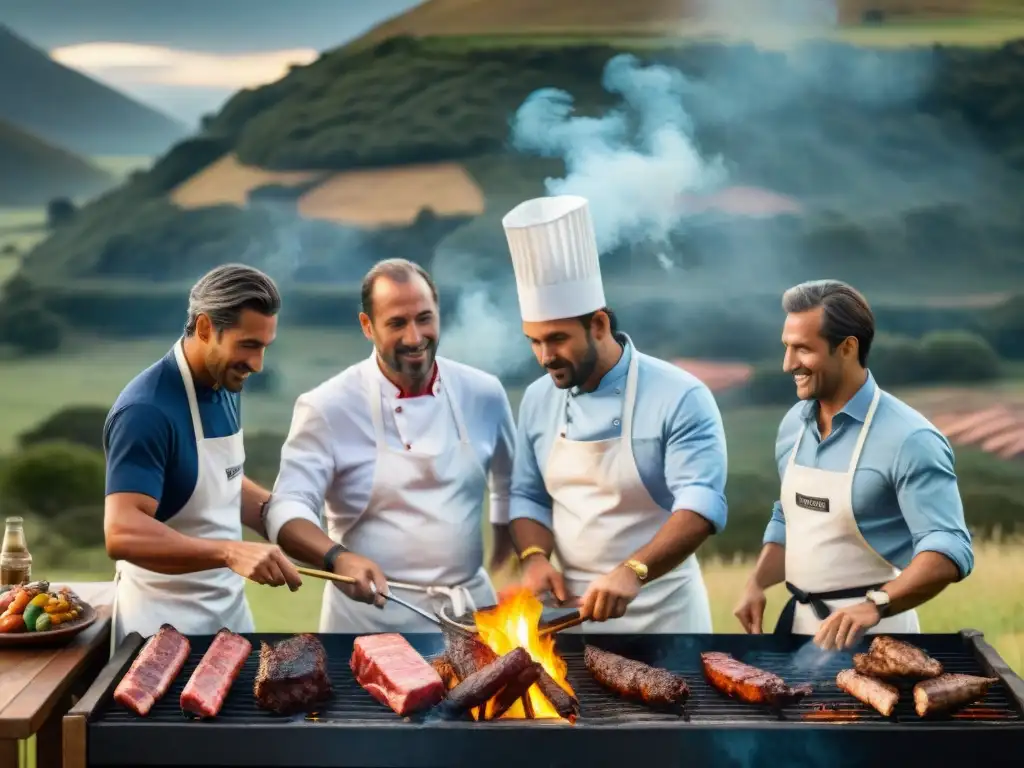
<point>422,527</point>
<point>194,603</point>
<point>603,513</point>
<point>828,561</point>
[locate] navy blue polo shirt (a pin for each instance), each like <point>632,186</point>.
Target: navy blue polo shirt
<point>148,437</point>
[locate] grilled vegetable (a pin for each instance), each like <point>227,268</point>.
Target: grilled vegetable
<point>57,619</point>
<point>43,623</point>
<point>34,609</point>
<point>6,598</point>
<point>58,605</point>
<point>13,623</point>
<point>18,604</point>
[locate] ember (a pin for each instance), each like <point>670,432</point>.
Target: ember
<point>515,623</point>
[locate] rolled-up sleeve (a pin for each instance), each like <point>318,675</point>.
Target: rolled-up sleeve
<point>307,470</point>
<point>929,498</point>
<point>529,496</point>
<point>500,476</point>
<point>775,533</point>
<point>696,463</point>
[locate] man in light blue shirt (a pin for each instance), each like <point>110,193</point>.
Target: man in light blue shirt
<point>869,524</point>
<point>620,460</point>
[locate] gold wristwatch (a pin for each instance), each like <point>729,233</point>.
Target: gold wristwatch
<point>638,568</point>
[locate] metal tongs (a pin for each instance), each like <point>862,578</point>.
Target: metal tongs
<point>373,588</point>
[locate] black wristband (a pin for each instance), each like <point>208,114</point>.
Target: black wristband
<point>332,556</point>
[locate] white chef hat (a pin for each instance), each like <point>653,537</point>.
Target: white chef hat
<point>555,258</point>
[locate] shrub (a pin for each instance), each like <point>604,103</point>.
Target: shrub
<point>896,361</point>
<point>770,385</point>
<point>30,329</point>
<point>957,356</point>
<point>1006,328</point>
<point>78,424</point>
<point>54,477</point>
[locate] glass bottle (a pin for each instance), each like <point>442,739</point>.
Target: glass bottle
<point>15,559</point>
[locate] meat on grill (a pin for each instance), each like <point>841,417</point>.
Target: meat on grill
<point>153,670</point>
<point>633,679</point>
<point>395,674</point>
<point>206,690</point>
<point>292,675</point>
<point>949,692</point>
<point>477,689</point>
<point>749,684</point>
<point>888,657</point>
<point>875,693</point>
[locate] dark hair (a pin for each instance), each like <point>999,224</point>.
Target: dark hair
<point>399,270</point>
<point>846,312</point>
<point>613,319</point>
<point>222,294</point>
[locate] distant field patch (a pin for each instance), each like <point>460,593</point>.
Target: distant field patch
<point>122,166</point>
<point>21,229</point>
<point>229,182</point>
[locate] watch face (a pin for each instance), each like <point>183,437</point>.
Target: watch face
<point>878,597</point>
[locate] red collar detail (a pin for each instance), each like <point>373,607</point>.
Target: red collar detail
<point>429,390</point>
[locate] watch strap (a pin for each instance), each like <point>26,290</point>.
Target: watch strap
<point>332,555</point>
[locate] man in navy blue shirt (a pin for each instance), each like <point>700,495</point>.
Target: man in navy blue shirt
<point>176,493</point>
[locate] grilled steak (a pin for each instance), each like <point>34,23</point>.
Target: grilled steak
<point>749,684</point>
<point>292,676</point>
<point>477,689</point>
<point>874,693</point>
<point>949,692</point>
<point>888,657</point>
<point>635,680</point>
<point>206,690</point>
<point>153,670</point>
<point>395,674</point>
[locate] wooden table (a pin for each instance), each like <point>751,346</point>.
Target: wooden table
<point>39,685</point>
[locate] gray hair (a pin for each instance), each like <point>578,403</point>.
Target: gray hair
<point>222,294</point>
<point>845,312</point>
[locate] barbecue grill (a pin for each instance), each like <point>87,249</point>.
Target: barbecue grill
<point>827,728</point>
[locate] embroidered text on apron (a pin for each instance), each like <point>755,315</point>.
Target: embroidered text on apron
<point>422,527</point>
<point>829,564</point>
<point>603,513</point>
<point>194,603</point>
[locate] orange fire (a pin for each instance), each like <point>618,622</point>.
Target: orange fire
<point>514,623</point>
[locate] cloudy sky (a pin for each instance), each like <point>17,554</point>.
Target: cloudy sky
<point>186,57</point>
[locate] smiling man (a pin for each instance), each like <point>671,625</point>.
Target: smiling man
<point>869,524</point>
<point>177,495</point>
<point>402,447</point>
<point>620,460</point>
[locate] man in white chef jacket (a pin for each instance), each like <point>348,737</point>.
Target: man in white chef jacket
<point>869,523</point>
<point>620,461</point>
<point>402,448</point>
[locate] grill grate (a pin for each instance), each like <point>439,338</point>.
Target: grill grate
<point>597,705</point>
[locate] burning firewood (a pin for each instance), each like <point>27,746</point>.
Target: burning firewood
<point>479,688</point>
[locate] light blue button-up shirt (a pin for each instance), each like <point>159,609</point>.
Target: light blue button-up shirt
<point>905,494</point>
<point>678,437</point>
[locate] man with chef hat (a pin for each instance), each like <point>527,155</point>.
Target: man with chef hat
<point>402,447</point>
<point>620,462</point>
<point>869,524</point>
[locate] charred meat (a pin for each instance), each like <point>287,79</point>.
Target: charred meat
<point>206,690</point>
<point>891,658</point>
<point>949,692</point>
<point>392,671</point>
<point>749,684</point>
<point>153,670</point>
<point>292,675</point>
<point>875,693</point>
<point>633,679</point>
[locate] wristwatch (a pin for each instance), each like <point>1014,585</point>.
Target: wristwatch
<point>880,600</point>
<point>638,568</point>
<point>332,555</point>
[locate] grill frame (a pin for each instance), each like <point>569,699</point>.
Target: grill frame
<point>741,735</point>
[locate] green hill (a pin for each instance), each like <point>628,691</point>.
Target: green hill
<point>35,172</point>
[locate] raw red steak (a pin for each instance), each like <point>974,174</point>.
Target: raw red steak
<point>206,690</point>
<point>394,673</point>
<point>153,670</point>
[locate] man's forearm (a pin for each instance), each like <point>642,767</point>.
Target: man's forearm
<point>927,575</point>
<point>677,539</point>
<point>528,533</point>
<point>771,566</point>
<point>253,496</point>
<point>304,541</point>
<point>150,544</point>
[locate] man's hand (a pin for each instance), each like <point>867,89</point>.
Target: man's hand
<point>750,609</point>
<point>845,627</point>
<point>501,548</point>
<point>262,563</point>
<point>608,596</point>
<point>368,576</point>
<point>540,576</point>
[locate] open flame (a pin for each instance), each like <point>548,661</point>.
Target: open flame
<point>515,623</point>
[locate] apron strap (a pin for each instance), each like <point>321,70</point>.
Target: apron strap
<point>460,424</point>
<point>862,437</point>
<point>629,399</point>
<point>816,600</point>
<point>190,388</point>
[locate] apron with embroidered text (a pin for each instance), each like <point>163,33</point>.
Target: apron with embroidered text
<point>194,603</point>
<point>603,513</point>
<point>826,553</point>
<point>422,526</point>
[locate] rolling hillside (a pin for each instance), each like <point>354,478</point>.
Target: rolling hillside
<point>34,172</point>
<point>66,108</point>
